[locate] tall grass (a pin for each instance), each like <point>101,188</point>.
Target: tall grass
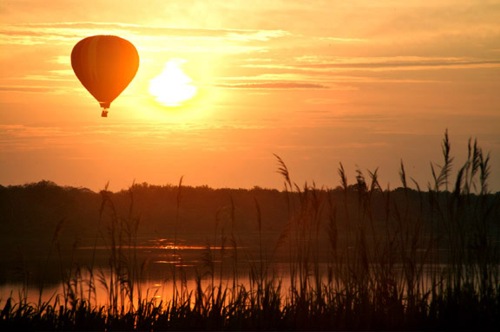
<point>359,257</point>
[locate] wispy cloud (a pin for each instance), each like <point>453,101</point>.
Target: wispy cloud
<point>274,85</point>
<point>25,88</point>
<point>15,138</point>
<point>42,32</point>
<point>319,63</point>
<point>394,63</point>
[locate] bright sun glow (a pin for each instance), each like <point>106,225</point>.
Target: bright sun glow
<point>173,86</point>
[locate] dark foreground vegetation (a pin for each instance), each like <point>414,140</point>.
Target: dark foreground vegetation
<point>357,257</point>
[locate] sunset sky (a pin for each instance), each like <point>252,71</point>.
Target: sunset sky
<point>365,83</point>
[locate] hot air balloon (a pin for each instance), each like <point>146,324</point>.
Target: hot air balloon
<point>105,65</point>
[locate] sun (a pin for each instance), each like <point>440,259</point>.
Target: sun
<point>172,86</point>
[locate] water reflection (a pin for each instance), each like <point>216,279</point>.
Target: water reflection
<point>162,286</point>
<point>160,269</point>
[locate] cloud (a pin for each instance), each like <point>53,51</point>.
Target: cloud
<point>342,40</point>
<point>274,85</point>
<point>396,63</point>
<point>16,138</point>
<point>326,72</point>
<point>318,63</point>
<point>19,88</point>
<point>38,32</point>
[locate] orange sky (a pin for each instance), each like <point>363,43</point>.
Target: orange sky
<point>365,83</point>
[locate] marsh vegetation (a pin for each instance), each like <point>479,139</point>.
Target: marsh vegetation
<point>355,257</point>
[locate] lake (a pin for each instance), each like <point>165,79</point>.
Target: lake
<point>155,268</point>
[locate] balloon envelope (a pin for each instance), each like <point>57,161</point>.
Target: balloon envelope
<point>105,65</point>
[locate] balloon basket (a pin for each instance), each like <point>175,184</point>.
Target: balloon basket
<point>104,113</point>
